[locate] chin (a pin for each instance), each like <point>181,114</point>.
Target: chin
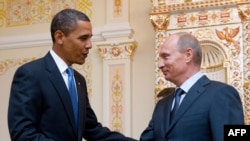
<point>167,78</point>
<point>80,62</point>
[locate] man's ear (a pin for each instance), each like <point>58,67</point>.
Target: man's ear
<point>189,54</point>
<point>59,35</point>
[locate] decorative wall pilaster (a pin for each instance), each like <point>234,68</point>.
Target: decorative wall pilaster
<point>245,17</point>
<point>116,50</point>
<point>117,75</point>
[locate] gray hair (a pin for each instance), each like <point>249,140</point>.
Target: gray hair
<point>187,40</point>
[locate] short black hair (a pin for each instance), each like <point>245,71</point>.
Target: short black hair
<point>66,21</point>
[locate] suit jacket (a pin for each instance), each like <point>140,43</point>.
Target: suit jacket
<point>204,111</point>
<point>40,108</point>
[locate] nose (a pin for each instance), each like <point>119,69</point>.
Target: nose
<point>88,44</point>
<point>160,63</point>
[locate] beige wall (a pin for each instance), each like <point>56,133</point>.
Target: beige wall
<point>142,69</point>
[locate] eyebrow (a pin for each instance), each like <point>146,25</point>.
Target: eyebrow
<point>164,54</point>
<point>85,36</point>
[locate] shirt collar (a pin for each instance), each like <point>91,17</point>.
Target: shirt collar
<point>191,81</point>
<point>62,66</point>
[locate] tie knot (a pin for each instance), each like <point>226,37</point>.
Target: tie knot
<point>69,71</point>
<point>179,92</point>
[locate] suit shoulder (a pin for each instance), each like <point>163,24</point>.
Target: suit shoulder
<point>219,84</point>
<point>33,65</point>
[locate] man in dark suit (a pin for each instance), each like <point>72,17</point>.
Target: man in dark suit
<point>204,106</point>
<point>40,107</point>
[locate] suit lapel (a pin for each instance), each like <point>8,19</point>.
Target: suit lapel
<point>193,94</point>
<point>81,91</point>
<point>61,88</point>
<point>169,112</point>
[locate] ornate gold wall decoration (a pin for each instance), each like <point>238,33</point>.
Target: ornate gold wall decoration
<point>117,92</point>
<point>228,34</point>
<point>2,14</point>
<point>27,12</point>
<point>161,2</point>
<point>9,63</point>
<point>182,19</point>
<point>244,12</point>
<point>246,68</point>
<point>120,51</point>
<point>84,6</point>
<point>179,5</point>
<point>203,18</point>
<point>86,70</point>
<point>160,22</point>
<point>226,15</point>
<point>204,33</point>
<point>117,8</point>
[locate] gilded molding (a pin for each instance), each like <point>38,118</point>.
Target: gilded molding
<point>244,12</point>
<point>9,63</point>
<point>117,94</point>
<point>117,51</point>
<point>246,69</point>
<point>188,0</point>
<point>27,12</point>
<point>160,21</point>
<point>117,8</point>
<point>186,5</point>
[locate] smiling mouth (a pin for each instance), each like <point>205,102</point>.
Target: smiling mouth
<point>85,54</point>
<point>164,72</point>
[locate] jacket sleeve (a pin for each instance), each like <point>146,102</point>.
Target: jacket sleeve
<point>226,109</point>
<point>147,134</point>
<point>94,131</point>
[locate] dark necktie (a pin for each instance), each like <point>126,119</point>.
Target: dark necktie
<point>73,94</point>
<point>177,97</point>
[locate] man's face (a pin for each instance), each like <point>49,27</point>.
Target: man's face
<point>171,60</point>
<point>77,44</point>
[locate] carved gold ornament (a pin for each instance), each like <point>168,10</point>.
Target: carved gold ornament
<point>160,22</point>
